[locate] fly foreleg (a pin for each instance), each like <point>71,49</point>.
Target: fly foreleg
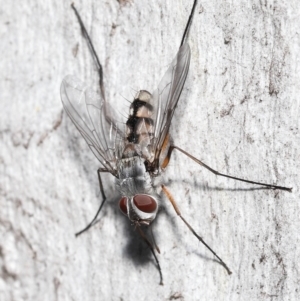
<point>172,200</point>
<point>152,250</point>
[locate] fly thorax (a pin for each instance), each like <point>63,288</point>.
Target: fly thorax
<point>132,177</point>
<point>139,126</point>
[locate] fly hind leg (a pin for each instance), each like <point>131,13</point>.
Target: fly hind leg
<point>92,50</point>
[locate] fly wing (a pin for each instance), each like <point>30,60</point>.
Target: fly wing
<point>166,97</point>
<point>92,117</point>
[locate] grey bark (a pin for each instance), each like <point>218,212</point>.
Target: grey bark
<point>239,113</point>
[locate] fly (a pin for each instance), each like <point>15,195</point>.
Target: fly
<point>135,154</point>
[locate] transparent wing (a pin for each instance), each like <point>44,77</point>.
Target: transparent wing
<point>92,117</point>
<point>166,97</point>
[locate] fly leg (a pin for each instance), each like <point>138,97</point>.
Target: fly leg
<point>92,50</point>
<point>152,250</point>
<point>172,200</point>
<point>97,63</point>
<point>187,27</point>
<point>270,186</point>
<point>92,223</point>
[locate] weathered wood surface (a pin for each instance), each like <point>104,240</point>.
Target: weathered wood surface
<point>239,113</point>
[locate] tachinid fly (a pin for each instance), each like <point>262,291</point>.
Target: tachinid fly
<point>137,152</point>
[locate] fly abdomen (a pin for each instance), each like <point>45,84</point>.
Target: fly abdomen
<point>140,124</point>
<point>140,129</point>
<point>141,107</point>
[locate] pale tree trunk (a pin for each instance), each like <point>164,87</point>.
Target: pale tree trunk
<point>239,113</point>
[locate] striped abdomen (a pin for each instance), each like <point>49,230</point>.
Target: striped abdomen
<point>140,124</point>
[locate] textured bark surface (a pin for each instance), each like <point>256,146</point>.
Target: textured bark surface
<point>239,113</point>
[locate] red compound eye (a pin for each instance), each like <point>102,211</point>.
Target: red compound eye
<point>145,203</point>
<point>123,205</point>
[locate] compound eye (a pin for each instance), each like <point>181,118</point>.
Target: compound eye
<point>123,205</point>
<point>145,203</point>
